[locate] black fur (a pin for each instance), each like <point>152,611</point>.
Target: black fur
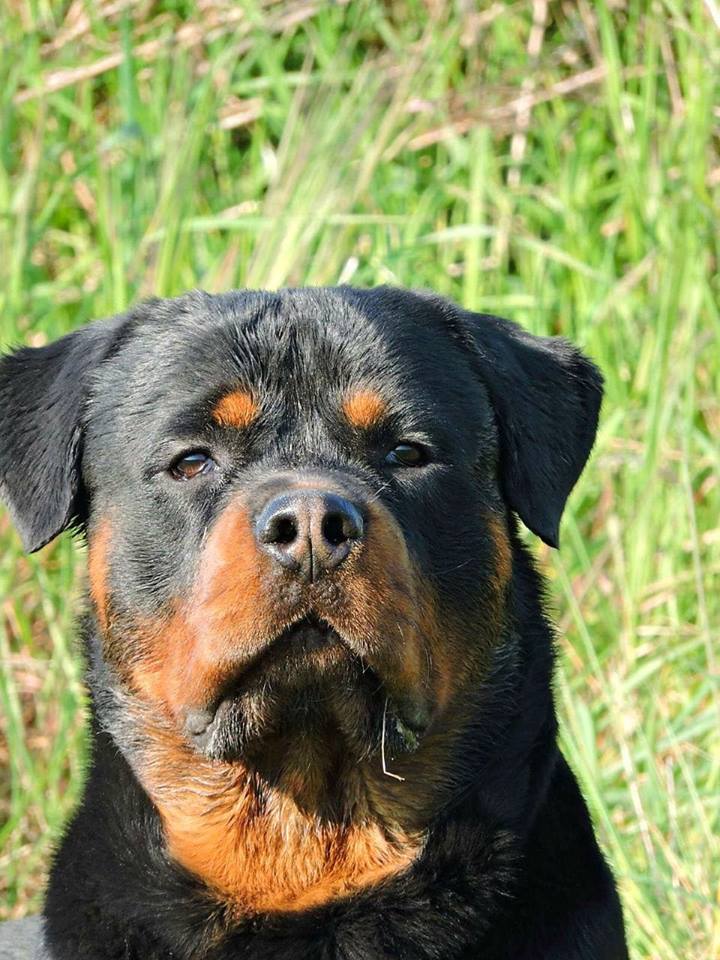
<point>510,869</point>
<point>42,396</point>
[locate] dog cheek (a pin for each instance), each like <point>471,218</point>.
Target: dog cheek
<point>462,657</point>
<point>426,643</point>
<point>502,562</point>
<point>486,609</point>
<point>385,612</point>
<point>189,651</point>
<point>98,570</point>
<point>121,648</point>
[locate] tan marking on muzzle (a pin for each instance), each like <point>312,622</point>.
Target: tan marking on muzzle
<point>382,608</point>
<point>227,618</point>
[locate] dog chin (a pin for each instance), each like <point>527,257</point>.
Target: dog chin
<point>309,687</point>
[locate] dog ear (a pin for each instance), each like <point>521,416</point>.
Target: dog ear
<point>42,399</point>
<point>546,397</point>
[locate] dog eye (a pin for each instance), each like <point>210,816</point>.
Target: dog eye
<point>191,465</point>
<point>406,455</point>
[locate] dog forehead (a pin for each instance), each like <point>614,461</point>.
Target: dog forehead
<point>305,342</point>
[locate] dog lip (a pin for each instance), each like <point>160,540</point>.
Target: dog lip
<point>304,643</point>
<point>312,632</point>
<point>415,715</point>
<point>198,720</point>
<point>305,635</point>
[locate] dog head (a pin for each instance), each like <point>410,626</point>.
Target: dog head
<point>296,503</point>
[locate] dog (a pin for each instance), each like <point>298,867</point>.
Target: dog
<point>320,668</point>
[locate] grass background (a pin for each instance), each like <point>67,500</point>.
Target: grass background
<point>555,163</point>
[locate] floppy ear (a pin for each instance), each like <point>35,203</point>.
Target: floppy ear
<point>546,397</point>
<point>42,399</point>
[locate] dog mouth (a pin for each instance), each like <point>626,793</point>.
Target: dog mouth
<point>307,679</point>
<point>302,655</point>
<point>308,645</point>
<point>308,636</point>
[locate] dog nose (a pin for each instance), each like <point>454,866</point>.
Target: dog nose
<point>309,532</point>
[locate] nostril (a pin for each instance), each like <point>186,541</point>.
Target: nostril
<point>335,529</point>
<point>280,529</point>
<point>341,523</point>
<point>286,530</point>
<point>310,532</point>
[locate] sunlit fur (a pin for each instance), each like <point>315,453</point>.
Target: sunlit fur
<point>347,764</point>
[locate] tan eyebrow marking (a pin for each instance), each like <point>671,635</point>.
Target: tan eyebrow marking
<point>364,408</point>
<point>237,409</point>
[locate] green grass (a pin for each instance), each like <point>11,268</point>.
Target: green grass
<point>568,179</point>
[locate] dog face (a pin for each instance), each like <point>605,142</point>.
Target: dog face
<point>296,503</point>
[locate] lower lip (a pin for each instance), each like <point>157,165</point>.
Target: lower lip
<point>314,638</point>
<point>309,648</point>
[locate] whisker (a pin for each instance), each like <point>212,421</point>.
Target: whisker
<point>458,567</point>
<point>377,493</point>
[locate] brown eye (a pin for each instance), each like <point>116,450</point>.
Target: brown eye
<point>191,465</point>
<point>406,455</point>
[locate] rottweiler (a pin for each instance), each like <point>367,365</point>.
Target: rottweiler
<point>322,724</point>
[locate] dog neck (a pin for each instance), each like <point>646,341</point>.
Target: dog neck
<point>301,830</point>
